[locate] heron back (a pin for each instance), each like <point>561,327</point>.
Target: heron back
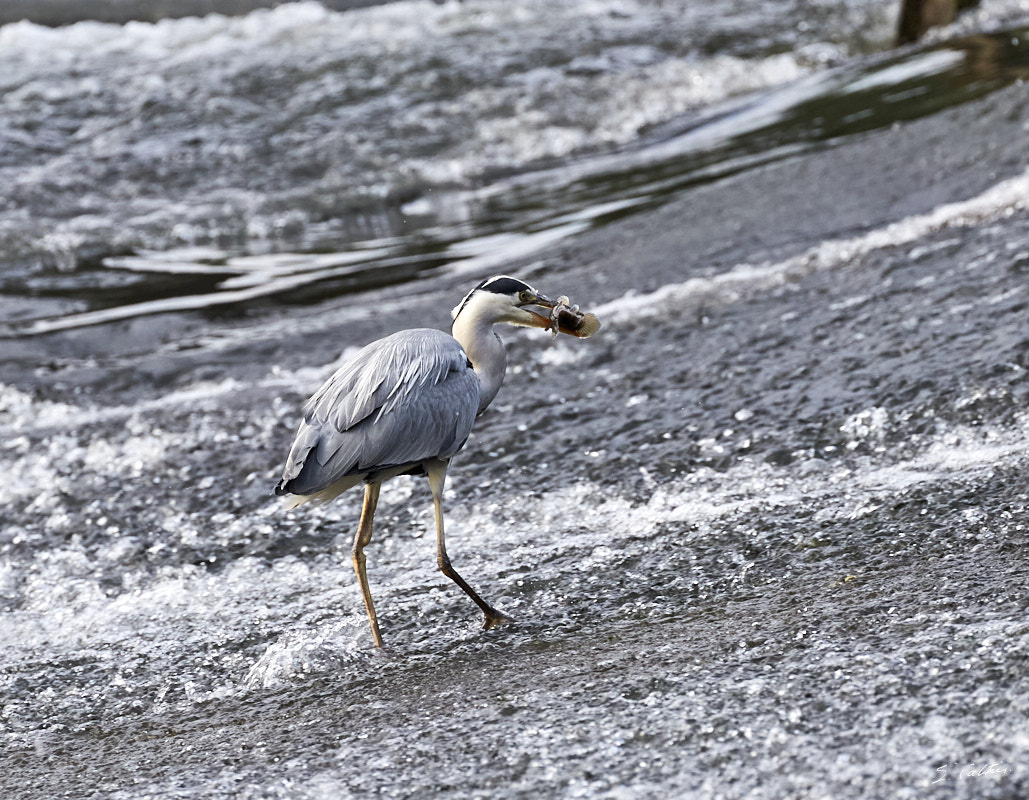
<point>399,401</point>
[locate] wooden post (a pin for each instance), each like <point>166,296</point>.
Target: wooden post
<point>918,16</point>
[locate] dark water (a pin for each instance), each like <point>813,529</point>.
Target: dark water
<point>450,229</point>
<point>761,536</point>
<point>377,138</point>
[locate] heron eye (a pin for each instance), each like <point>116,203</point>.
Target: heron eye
<point>525,297</point>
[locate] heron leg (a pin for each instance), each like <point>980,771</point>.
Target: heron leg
<point>362,538</point>
<point>437,472</point>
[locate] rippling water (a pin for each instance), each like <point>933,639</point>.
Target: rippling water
<point>760,535</point>
<point>449,139</point>
<point>361,132</point>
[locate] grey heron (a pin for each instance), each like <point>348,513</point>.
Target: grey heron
<point>405,404</point>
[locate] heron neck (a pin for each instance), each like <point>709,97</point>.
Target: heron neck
<point>487,354</point>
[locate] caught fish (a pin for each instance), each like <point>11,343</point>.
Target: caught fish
<point>566,318</point>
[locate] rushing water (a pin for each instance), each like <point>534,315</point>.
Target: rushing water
<point>761,536</point>
<point>409,216</point>
<point>360,134</point>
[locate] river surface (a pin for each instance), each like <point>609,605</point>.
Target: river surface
<point>762,536</point>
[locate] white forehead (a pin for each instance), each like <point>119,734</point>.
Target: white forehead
<point>497,284</point>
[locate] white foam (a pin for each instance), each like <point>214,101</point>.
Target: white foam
<point>929,63</point>
<point>559,355</point>
<point>567,518</point>
<point>178,68</point>
<point>747,280</point>
<point>330,646</point>
<point>984,15</point>
<point>63,609</point>
<point>620,105</point>
<point>870,423</point>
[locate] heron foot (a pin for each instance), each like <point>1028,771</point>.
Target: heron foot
<point>494,618</point>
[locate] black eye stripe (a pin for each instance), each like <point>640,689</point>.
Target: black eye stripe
<point>497,284</point>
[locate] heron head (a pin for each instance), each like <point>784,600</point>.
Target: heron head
<point>505,299</point>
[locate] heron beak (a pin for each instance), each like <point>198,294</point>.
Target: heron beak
<point>538,320</point>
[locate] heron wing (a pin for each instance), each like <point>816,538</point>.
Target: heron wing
<point>400,400</point>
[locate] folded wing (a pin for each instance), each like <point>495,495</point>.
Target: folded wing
<point>398,402</point>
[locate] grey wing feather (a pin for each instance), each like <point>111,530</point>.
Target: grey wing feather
<point>401,400</point>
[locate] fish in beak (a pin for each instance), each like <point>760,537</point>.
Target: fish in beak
<point>562,317</point>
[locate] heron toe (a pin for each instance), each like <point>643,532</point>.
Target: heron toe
<point>492,620</point>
